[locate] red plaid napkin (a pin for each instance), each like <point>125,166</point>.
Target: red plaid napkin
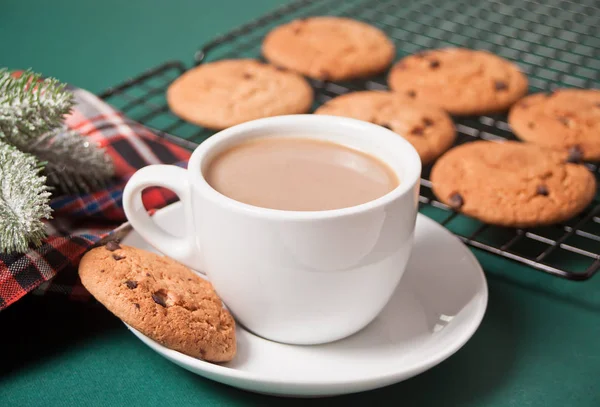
<point>81,221</point>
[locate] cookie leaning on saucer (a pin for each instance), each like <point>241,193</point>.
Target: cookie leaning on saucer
<point>512,183</point>
<point>428,128</point>
<point>333,48</point>
<point>162,299</point>
<point>460,81</point>
<point>566,120</point>
<point>221,94</point>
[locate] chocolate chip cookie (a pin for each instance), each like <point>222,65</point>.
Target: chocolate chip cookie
<point>460,81</point>
<point>566,120</point>
<point>221,94</point>
<point>162,299</point>
<point>512,183</point>
<point>428,128</point>
<point>332,48</point>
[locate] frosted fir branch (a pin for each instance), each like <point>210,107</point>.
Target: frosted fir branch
<point>30,106</point>
<point>24,200</point>
<point>73,163</point>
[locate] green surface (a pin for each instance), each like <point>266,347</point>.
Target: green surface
<point>539,344</point>
<point>97,44</point>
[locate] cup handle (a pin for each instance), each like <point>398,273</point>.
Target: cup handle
<point>176,179</point>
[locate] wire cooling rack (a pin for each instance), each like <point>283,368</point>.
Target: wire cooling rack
<point>554,42</point>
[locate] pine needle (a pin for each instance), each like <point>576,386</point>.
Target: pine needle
<point>73,163</point>
<point>30,106</point>
<point>32,112</point>
<point>24,200</point>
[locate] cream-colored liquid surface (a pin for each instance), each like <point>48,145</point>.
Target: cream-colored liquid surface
<point>297,174</point>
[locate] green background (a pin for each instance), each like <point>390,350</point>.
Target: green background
<point>539,343</point>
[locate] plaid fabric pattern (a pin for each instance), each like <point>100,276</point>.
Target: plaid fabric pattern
<point>82,221</point>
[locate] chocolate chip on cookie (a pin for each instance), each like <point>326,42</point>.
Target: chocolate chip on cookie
<point>456,200</point>
<point>542,190</point>
<point>417,131</point>
<point>500,85</point>
<point>162,299</point>
<point>429,129</point>
<point>460,81</point>
<point>567,121</point>
<point>509,183</point>
<point>575,154</point>
<point>112,246</point>
<point>131,284</point>
<point>332,48</point>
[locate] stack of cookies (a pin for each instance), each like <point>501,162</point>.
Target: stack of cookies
<point>539,182</point>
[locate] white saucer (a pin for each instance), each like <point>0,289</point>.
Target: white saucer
<point>438,306</point>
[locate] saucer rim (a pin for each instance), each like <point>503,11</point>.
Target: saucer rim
<point>202,368</point>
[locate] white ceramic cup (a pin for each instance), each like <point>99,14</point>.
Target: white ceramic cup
<point>292,277</point>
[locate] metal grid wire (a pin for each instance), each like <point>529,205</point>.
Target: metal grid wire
<point>554,42</point>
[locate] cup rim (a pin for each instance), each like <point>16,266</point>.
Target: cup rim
<point>411,164</point>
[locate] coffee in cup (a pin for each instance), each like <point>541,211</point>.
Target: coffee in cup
<point>299,174</point>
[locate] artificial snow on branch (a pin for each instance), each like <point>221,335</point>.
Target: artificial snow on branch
<point>32,111</point>
<point>73,164</point>
<point>24,200</point>
<point>30,106</point>
<point>33,138</point>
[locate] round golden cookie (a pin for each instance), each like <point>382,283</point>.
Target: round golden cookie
<point>460,81</point>
<point>162,299</point>
<point>333,48</point>
<point>512,183</point>
<point>428,128</point>
<point>221,94</point>
<point>566,120</point>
